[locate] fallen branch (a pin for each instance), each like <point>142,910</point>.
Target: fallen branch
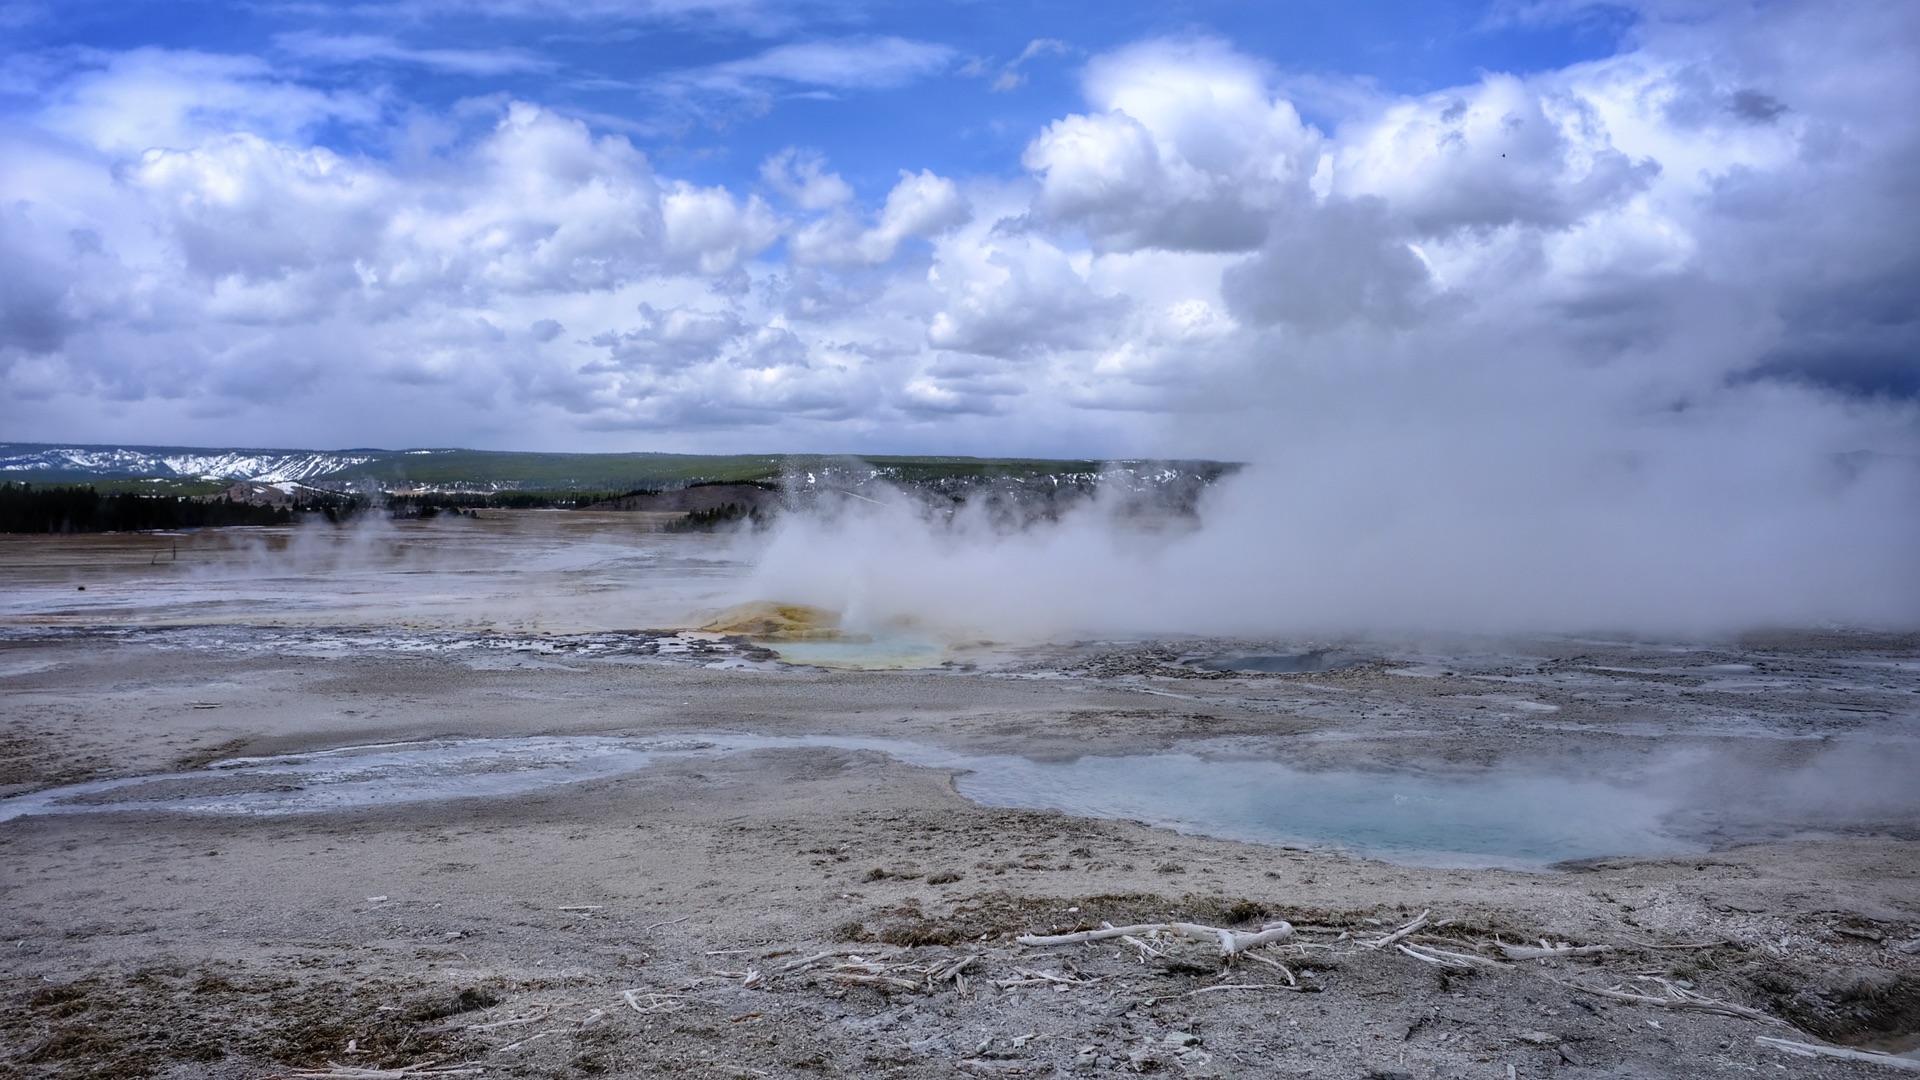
<point>1232,942</point>
<point>863,978</point>
<point>534,1019</point>
<point>535,1037</point>
<point>1272,963</point>
<point>808,961</point>
<point>1236,986</point>
<point>1036,978</point>
<point>1145,949</point>
<point>1447,958</point>
<point>1394,938</point>
<point>1528,952</point>
<point>1682,1000</point>
<point>1698,945</point>
<point>951,970</point>
<point>1800,1049</point>
<point>400,1073</point>
<point>657,1003</point>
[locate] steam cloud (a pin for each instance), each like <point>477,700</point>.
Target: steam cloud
<point>1582,351</point>
<point>1626,344</point>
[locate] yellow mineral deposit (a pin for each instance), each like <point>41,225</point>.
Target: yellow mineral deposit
<point>764,620</point>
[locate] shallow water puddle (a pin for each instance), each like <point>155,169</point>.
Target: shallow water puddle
<point>879,654</point>
<point>358,776</point>
<point>1522,821</point>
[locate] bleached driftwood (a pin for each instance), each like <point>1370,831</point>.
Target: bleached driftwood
<point>1146,951</point>
<point>656,1002</point>
<point>1447,958</point>
<point>874,978</point>
<point>1395,937</point>
<point>404,1072</point>
<point>1041,978</point>
<point>1236,986</point>
<point>534,1019</point>
<point>1231,942</point>
<point>1679,999</point>
<point>533,1038</point>
<point>855,950</point>
<point>1801,1049</point>
<point>951,970</point>
<point>866,966</point>
<point>1528,952</point>
<point>1272,963</point>
<point>1689,945</point>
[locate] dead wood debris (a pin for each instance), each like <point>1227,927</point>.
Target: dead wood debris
<point>1397,935</point>
<point>1232,942</point>
<point>403,1072</point>
<point>1547,950</point>
<point>1802,1049</point>
<point>1676,998</point>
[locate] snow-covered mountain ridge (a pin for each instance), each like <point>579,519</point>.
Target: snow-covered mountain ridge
<point>25,461</point>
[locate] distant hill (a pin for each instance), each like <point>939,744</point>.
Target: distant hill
<point>479,471</point>
<point>52,464</point>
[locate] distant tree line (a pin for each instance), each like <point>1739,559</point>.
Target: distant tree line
<point>435,503</point>
<point>25,508</point>
<point>719,517</point>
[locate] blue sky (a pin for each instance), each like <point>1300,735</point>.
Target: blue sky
<point>1116,228</point>
<point>619,66</point>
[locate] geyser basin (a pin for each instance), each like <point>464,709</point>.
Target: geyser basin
<point>1495,817</point>
<point>1289,663</point>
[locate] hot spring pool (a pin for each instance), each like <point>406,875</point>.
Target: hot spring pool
<point>1507,818</point>
<point>882,653</point>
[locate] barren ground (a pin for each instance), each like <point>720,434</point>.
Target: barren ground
<point>672,920</point>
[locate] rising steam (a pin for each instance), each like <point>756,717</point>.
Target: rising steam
<point>1437,504</point>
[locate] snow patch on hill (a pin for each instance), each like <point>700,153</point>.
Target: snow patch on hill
<point>115,462</point>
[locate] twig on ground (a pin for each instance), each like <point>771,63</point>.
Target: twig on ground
<point>1394,938</point>
<point>1528,952</point>
<point>808,961</point>
<point>1447,958</point>
<point>534,1019</point>
<point>1801,1049</point>
<point>1271,962</point>
<point>1232,942</point>
<point>1679,999</point>
<point>657,1003</point>
<point>402,1072</point>
<point>535,1037</point>
<point>1036,978</point>
<point>940,973</point>
<point>1236,986</point>
<point>864,978</point>
<point>1145,949</point>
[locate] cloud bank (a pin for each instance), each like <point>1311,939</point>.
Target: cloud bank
<point>1626,338</point>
